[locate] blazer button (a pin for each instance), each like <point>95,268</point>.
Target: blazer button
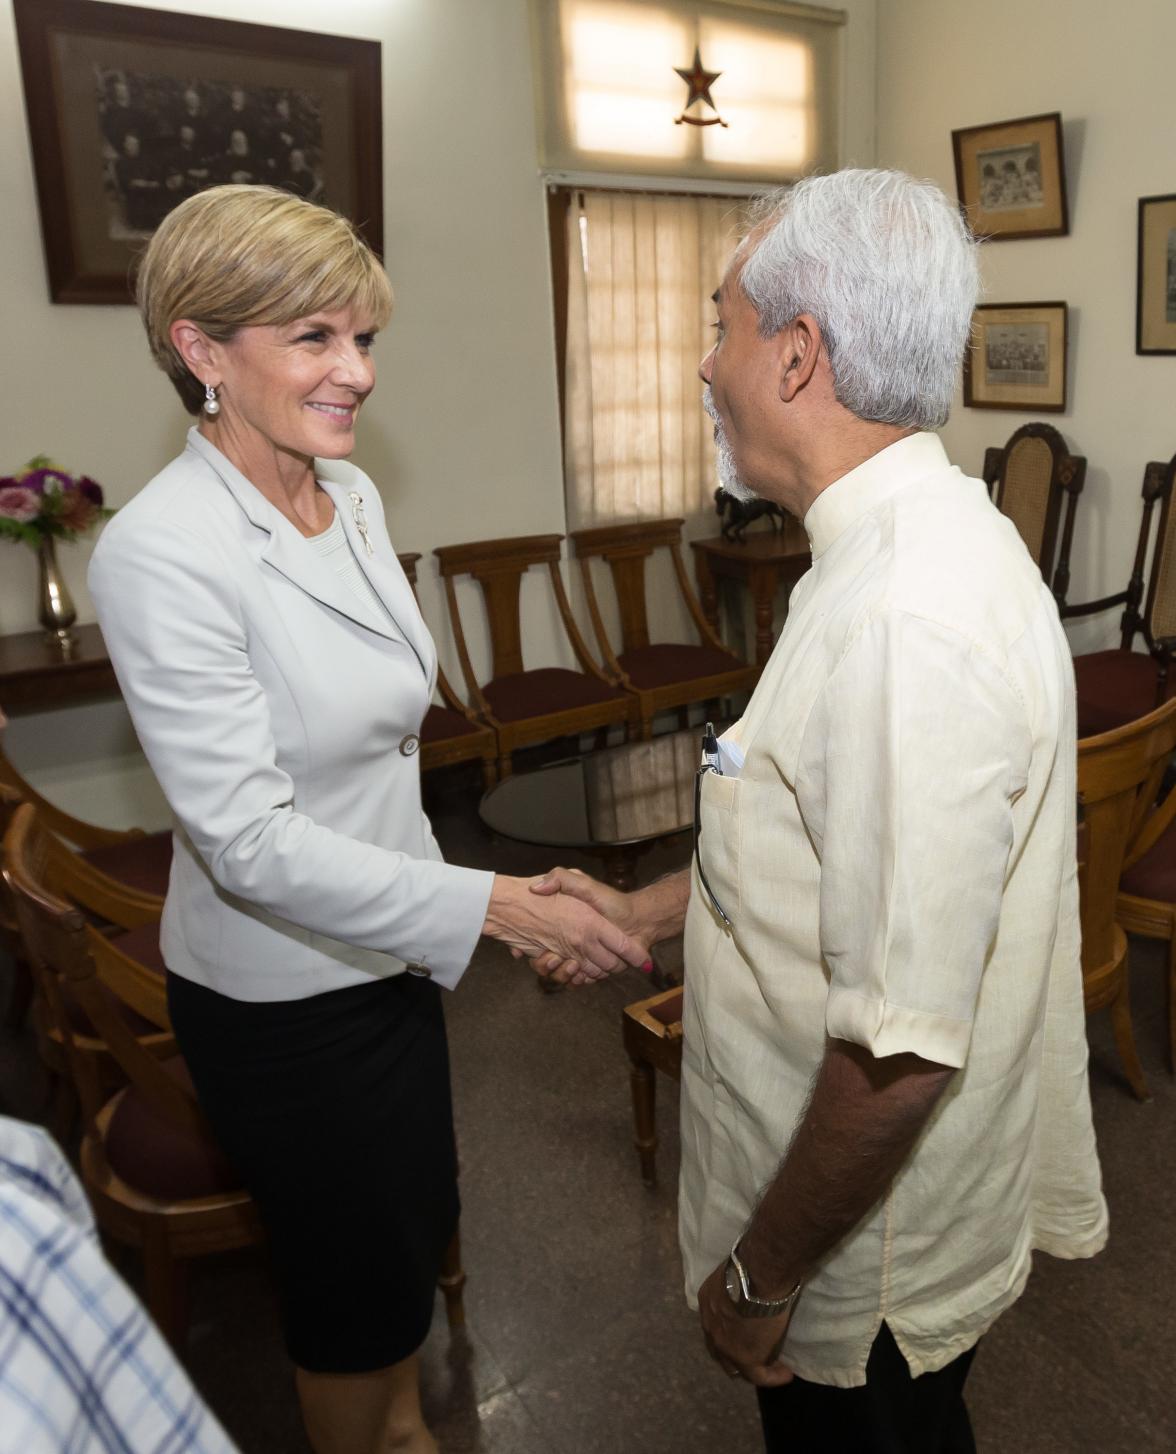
<point>409,744</point>
<point>420,969</point>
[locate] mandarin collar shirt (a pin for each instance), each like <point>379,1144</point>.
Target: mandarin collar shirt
<point>897,859</point>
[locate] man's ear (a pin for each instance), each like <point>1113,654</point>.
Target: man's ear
<point>193,346</point>
<point>801,340</point>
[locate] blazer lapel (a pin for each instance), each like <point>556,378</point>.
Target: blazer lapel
<point>291,555</point>
<point>384,572</point>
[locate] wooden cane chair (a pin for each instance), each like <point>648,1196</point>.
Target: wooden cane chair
<point>1119,774</point>
<point>527,706</point>
<point>661,674</point>
<point>1036,482</point>
<point>153,1174</point>
<point>451,733</point>
<point>1121,685</point>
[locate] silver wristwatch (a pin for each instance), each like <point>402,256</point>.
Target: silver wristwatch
<point>747,1305</point>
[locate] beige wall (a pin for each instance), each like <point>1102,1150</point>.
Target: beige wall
<point>944,64</point>
<point>462,435</point>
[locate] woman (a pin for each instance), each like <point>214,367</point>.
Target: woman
<point>277,670</point>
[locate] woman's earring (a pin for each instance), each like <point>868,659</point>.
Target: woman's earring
<point>211,402</point>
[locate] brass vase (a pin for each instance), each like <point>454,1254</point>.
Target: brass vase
<point>57,613</point>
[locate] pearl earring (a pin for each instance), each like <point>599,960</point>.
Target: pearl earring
<point>211,402</point>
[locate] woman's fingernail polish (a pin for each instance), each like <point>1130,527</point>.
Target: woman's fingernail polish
<point>647,967</point>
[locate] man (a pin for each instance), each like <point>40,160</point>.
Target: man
<point>82,1367</point>
<point>884,1098</point>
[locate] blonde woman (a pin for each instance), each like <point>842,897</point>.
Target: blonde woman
<point>277,670</point>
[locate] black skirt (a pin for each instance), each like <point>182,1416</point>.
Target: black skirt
<point>336,1113</point>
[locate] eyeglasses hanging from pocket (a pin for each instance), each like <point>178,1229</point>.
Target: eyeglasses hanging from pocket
<point>711,761</point>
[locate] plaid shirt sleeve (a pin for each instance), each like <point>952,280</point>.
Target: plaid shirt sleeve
<point>83,1369</point>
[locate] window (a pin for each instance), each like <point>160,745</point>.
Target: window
<point>613,96</point>
<point>641,269</point>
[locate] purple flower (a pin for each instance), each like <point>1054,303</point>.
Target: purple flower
<point>18,502</point>
<point>47,481</point>
<point>91,489</point>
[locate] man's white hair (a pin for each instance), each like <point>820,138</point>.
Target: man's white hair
<point>888,268</point>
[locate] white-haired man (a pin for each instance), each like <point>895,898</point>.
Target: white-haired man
<point>884,1098</point>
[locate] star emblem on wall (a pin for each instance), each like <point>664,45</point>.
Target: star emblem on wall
<point>699,82</point>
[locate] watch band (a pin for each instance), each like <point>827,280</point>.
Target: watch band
<point>738,1286</point>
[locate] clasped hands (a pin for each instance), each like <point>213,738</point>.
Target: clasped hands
<point>571,928</point>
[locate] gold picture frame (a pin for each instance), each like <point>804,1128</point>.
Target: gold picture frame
<point>1155,285</point>
<point>1011,178</point>
<point>1017,358</point>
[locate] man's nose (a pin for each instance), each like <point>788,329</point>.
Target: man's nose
<point>704,368</point>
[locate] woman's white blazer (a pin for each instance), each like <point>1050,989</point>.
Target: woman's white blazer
<point>278,712</point>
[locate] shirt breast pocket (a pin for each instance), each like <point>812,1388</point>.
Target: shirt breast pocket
<point>719,845</point>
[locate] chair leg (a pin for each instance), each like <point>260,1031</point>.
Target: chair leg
<point>21,995</point>
<point>489,773</point>
<point>504,767</point>
<point>452,1281</point>
<point>1125,1040</point>
<point>643,1083</point>
<point>1172,998</point>
<point>646,731</point>
<point>166,1287</point>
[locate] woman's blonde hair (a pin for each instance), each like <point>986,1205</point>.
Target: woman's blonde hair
<point>237,256</point>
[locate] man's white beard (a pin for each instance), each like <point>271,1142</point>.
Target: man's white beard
<point>728,474</point>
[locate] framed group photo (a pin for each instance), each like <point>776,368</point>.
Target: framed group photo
<point>1011,178</point>
<point>1155,286</point>
<point>1017,358</point>
<point>131,111</point>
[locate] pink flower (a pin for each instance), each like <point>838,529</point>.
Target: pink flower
<point>19,503</point>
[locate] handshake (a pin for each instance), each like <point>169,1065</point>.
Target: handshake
<point>574,929</point>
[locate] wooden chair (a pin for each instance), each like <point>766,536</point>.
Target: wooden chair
<point>451,733</point>
<point>1121,685</point>
<point>1119,775</point>
<point>662,674</point>
<point>651,1031</point>
<point>115,857</point>
<point>1034,480</point>
<point>153,1174</point>
<point>546,702</point>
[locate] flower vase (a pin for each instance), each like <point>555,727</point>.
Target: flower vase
<point>57,613</point>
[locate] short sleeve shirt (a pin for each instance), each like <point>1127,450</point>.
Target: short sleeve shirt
<point>896,856</point>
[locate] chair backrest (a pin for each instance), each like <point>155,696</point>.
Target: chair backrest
<point>1119,775</point>
<point>408,564</point>
<point>1158,618</point>
<point>1033,477</point>
<point>74,830</point>
<point>626,548</point>
<point>63,948</point>
<point>499,566</point>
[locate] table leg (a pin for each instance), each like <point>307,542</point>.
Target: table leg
<point>763,595</point>
<point>620,869</point>
<point>707,595</point>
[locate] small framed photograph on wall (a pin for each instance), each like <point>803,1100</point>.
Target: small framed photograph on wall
<point>1155,286</point>
<point>1017,358</point>
<point>1011,178</point>
<point>133,110</point>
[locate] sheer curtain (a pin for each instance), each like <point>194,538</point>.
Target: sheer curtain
<point>641,271</point>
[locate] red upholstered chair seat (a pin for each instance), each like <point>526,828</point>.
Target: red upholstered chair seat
<point>149,1153</point>
<point>545,690</point>
<point>443,722</point>
<point>140,863</point>
<point>1114,688</point>
<point>666,662</point>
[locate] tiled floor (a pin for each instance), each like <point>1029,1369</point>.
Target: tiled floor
<point>578,1340</point>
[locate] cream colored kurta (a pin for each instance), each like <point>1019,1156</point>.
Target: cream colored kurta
<point>897,858</point>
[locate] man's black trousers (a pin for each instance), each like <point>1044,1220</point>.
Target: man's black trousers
<point>892,1413</point>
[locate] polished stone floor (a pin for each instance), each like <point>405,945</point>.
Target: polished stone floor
<point>578,1339</point>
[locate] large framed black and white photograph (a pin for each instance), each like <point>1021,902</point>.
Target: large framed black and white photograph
<point>1155,295</point>
<point>1017,358</point>
<point>131,110</point>
<point>1011,178</point>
